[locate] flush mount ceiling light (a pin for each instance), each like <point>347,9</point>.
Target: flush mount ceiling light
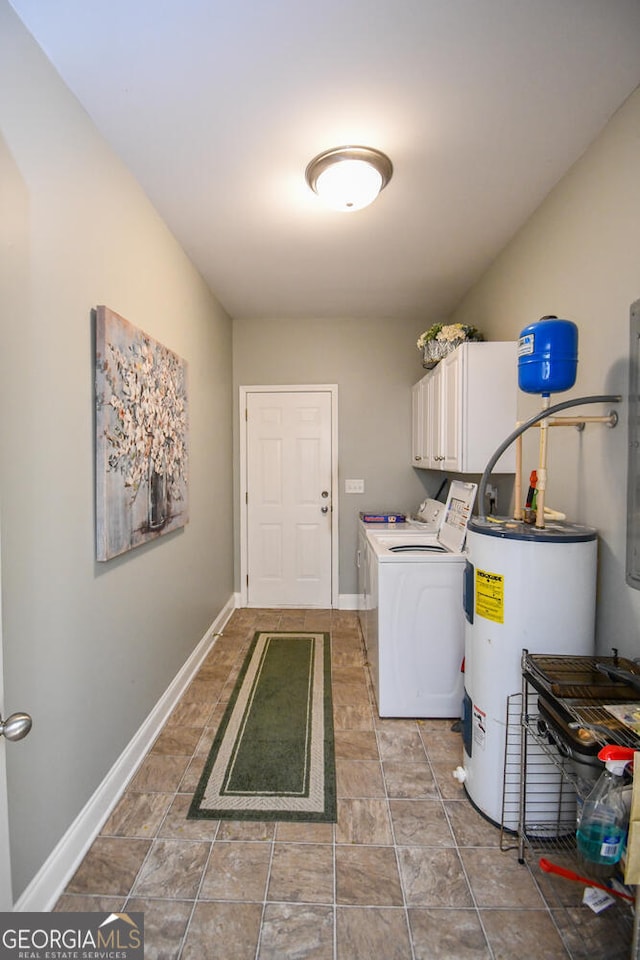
<point>349,178</point>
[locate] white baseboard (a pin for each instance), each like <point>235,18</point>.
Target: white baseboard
<point>346,601</point>
<point>349,601</point>
<point>52,878</point>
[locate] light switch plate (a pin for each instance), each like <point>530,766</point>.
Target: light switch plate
<point>354,486</point>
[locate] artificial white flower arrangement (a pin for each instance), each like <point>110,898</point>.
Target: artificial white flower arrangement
<point>448,333</point>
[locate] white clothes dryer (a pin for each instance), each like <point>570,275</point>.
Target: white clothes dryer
<point>414,616</point>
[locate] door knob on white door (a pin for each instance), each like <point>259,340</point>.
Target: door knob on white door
<point>15,727</point>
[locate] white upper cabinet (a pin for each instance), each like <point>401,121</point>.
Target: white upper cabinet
<point>418,411</point>
<point>464,408</point>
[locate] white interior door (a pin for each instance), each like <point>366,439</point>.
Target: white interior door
<point>289,497</point>
<point>6,898</point>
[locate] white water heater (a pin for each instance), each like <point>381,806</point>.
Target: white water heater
<point>525,588</point>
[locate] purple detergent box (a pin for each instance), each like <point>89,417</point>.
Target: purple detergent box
<point>382,517</point>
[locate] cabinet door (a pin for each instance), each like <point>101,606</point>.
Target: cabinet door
<point>488,402</point>
<point>451,373</point>
<point>418,413</point>
<point>433,454</point>
<point>465,407</point>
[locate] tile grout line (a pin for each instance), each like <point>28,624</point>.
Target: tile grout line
<point>477,909</point>
<point>178,946</point>
<point>547,905</point>
<point>261,925</point>
<point>266,894</point>
<point>377,731</point>
<point>334,825</point>
<point>195,753</point>
<point>456,847</point>
<point>196,899</point>
<point>209,723</point>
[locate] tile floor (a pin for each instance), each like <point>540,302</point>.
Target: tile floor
<point>409,872</point>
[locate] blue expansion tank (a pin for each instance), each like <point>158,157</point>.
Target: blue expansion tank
<point>548,356</point>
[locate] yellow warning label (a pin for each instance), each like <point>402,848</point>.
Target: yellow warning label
<point>490,595</point>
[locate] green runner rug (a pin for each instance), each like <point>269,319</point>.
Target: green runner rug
<point>273,755</point>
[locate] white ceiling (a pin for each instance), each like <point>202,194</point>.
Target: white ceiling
<point>217,108</point>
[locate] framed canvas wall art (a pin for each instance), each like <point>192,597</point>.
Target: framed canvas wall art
<point>141,437</point>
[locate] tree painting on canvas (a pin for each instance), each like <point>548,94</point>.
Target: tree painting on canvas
<point>141,437</point>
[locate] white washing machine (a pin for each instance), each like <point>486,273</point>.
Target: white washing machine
<point>414,619</point>
<point>427,520</point>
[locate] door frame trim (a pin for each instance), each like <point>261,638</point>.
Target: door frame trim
<point>332,389</point>
<point>6,891</point>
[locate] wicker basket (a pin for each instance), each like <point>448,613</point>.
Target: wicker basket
<point>436,350</point>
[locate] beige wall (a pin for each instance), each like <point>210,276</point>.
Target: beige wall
<point>89,648</point>
<point>374,364</point>
<point>578,258</point>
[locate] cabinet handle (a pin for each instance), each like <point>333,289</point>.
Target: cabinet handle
<point>417,458</point>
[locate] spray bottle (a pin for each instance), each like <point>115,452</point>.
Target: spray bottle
<point>603,824</point>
